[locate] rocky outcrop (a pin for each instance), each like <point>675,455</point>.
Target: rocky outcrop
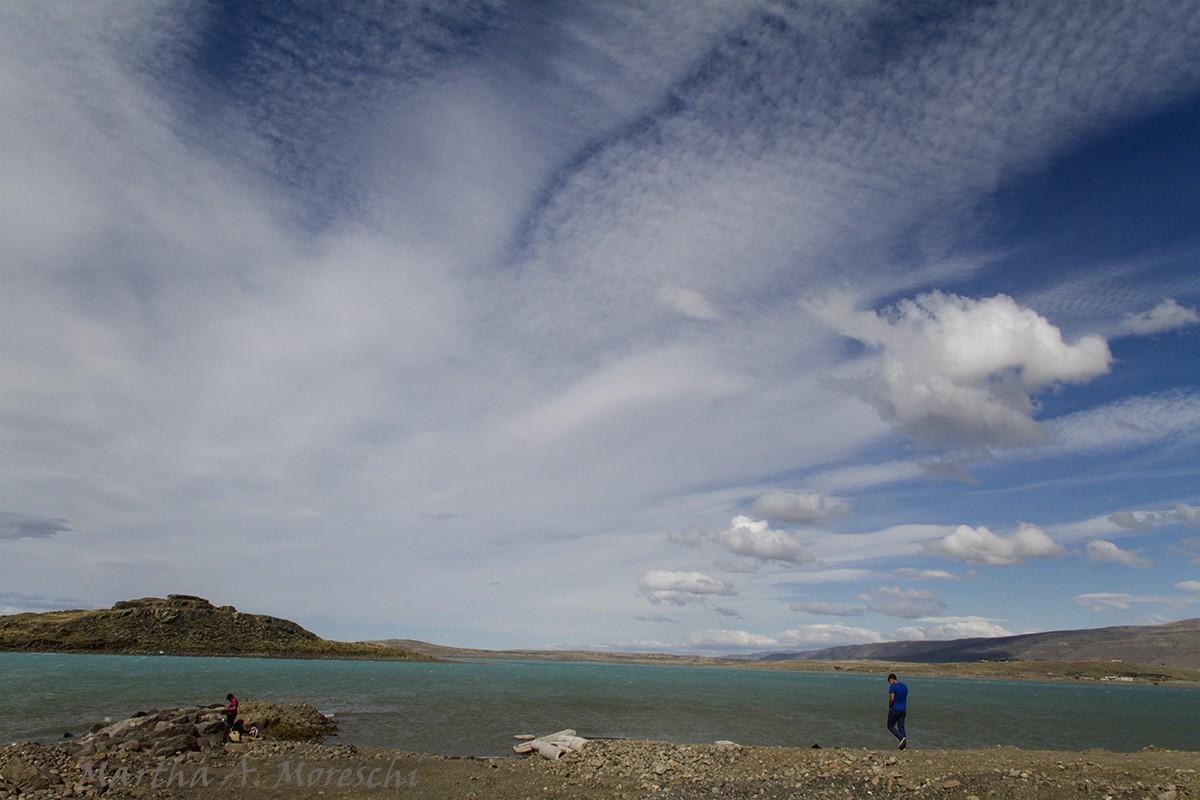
<point>180,624</point>
<point>139,751</point>
<point>180,730</point>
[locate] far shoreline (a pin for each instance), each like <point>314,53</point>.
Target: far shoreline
<point>1106,673</point>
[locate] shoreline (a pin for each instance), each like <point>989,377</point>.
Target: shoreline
<point>612,769</point>
<point>1109,673</point>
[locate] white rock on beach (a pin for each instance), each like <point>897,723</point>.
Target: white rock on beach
<point>552,746</point>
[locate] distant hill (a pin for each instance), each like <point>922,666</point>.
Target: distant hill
<point>179,625</point>
<point>1174,644</point>
<point>604,656</point>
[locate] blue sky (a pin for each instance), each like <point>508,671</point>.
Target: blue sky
<point>698,327</point>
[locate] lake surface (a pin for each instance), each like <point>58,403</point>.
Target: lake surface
<point>462,708</point>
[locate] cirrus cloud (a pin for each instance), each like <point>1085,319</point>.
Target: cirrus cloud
<point>1102,550</point>
<point>906,603</point>
<point>1166,316</point>
<point>827,609</point>
<point>1106,602</point>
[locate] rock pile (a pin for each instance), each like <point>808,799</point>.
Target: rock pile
<point>157,733</point>
<point>148,739</point>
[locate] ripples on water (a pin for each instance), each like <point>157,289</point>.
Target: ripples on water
<point>474,708</point>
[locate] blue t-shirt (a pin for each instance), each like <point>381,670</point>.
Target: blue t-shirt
<point>900,692</point>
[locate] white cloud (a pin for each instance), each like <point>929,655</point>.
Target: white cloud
<point>953,628</point>
<point>912,574</point>
<point>891,543</point>
<point>827,609</point>
<point>1149,520</point>
<point>981,546</point>
<point>413,278</point>
<point>796,508</point>
<point>755,539</point>
<point>681,588</point>
<point>1189,548</point>
<point>1135,522</point>
<point>1130,422</point>
<point>1166,316</point>
<point>906,603</point>
<point>729,638</point>
<point>688,302</point>
<point>961,370</point>
<point>1104,602</point>
<point>822,576</point>
<point>1188,515</point>
<point>1187,586</point>
<point>736,566</point>
<point>829,635</point>
<point>691,536</point>
<point>1101,550</point>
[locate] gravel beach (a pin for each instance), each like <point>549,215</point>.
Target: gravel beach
<point>601,770</point>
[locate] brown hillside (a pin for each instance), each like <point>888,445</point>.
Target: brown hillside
<point>177,625</point>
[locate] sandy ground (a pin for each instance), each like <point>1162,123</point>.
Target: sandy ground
<point>610,770</point>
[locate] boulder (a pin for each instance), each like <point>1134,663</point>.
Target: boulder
<point>552,746</point>
<point>175,744</point>
<point>28,777</point>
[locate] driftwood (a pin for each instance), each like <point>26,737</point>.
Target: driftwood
<point>551,746</point>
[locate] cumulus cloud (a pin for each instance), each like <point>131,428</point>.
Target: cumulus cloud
<point>959,370</point>
<point>953,628</point>
<point>828,635</point>
<point>1101,550</point>
<point>728,612</point>
<point>981,546</point>
<point>729,638</point>
<point>1166,316</point>
<point>827,609</point>
<point>755,539</point>
<point>795,508</point>
<point>906,603</point>
<point>14,526</point>
<point>681,588</point>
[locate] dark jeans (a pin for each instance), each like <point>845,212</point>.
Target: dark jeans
<point>896,723</point>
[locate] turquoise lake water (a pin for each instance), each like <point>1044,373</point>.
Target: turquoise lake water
<point>462,708</point>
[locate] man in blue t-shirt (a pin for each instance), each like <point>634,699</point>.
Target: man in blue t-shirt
<point>897,709</point>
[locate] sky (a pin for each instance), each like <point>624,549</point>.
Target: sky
<point>696,327</point>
